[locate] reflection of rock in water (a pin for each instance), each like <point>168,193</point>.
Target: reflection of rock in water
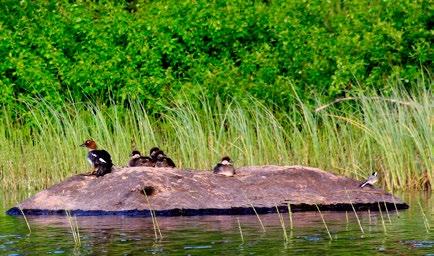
<point>104,233</point>
<point>144,226</point>
<point>177,192</point>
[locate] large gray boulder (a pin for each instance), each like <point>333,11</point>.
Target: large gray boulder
<point>170,192</point>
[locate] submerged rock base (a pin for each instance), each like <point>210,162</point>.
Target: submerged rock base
<point>172,192</point>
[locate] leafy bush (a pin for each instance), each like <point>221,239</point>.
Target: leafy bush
<point>154,51</point>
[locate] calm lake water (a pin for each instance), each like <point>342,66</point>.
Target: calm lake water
<point>402,234</point>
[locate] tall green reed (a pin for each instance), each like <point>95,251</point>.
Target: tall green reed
<point>392,135</point>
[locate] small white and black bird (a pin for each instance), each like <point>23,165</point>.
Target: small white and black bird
<point>371,180</point>
<point>225,167</point>
<point>163,161</point>
<point>100,160</point>
<point>138,160</point>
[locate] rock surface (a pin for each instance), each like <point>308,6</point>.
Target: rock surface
<point>171,192</point>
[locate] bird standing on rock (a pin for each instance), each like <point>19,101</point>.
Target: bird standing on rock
<point>100,160</point>
<point>371,180</point>
<point>138,160</point>
<point>225,167</point>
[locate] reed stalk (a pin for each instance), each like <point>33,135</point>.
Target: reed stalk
<point>346,217</point>
<point>74,228</point>
<point>282,224</point>
<point>425,219</point>
<point>291,225</point>
<point>155,224</point>
<point>257,216</point>
<point>25,219</point>
<point>323,221</point>
<point>394,203</point>
<point>241,231</point>
<point>387,212</point>
<point>355,213</point>
<point>254,210</point>
<point>369,216</point>
<point>382,219</point>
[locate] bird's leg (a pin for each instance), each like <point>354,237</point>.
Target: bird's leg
<point>91,172</point>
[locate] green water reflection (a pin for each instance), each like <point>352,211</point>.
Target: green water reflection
<point>402,234</point>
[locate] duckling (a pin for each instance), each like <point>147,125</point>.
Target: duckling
<point>371,180</point>
<point>154,152</point>
<point>225,167</point>
<point>163,161</point>
<point>99,159</point>
<point>138,160</point>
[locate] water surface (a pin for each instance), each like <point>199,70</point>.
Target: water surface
<point>402,234</point>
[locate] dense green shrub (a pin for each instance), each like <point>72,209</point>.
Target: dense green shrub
<point>156,50</point>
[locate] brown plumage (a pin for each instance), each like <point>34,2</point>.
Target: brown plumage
<point>138,160</point>
<point>224,167</point>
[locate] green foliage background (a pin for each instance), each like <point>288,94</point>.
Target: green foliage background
<point>155,51</point>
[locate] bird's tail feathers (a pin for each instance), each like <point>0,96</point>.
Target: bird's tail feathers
<point>103,170</point>
<point>364,184</point>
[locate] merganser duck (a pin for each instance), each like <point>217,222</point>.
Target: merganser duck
<point>100,160</point>
<point>225,167</point>
<point>163,161</point>
<point>138,160</point>
<point>371,180</point>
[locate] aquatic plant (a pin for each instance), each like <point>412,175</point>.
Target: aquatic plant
<point>323,221</point>
<point>387,211</point>
<point>376,133</point>
<point>382,218</point>
<point>241,231</point>
<point>25,219</point>
<point>394,204</point>
<point>369,216</point>
<point>155,224</point>
<point>74,228</point>
<point>282,224</point>
<point>355,212</point>
<point>254,210</point>
<point>425,219</point>
<point>291,226</point>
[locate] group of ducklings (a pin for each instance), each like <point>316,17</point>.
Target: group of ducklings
<point>156,158</point>
<point>102,163</point>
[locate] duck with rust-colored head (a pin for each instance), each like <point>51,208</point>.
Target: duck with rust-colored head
<point>100,160</point>
<point>225,167</point>
<point>138,160</point>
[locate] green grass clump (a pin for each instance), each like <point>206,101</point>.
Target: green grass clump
<point>73,224</point>
<point>392,135</point>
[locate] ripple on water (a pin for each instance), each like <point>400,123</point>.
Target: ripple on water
<point>193,247</point>
<point>310,238</point>
<point>419,244</point>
